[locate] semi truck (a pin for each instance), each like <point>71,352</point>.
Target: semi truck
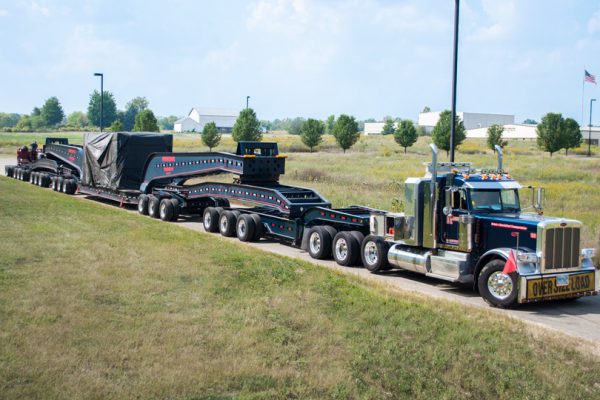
<point>460,224</point>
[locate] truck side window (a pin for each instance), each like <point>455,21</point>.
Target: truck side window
<point>459,200</point>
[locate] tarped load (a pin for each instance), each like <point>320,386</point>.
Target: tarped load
<point>116,160</point>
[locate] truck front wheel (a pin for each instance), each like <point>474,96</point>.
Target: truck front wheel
<point>496,288</point>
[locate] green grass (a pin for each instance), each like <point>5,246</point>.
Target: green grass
<point>96,303</point>
<point>374,170</point>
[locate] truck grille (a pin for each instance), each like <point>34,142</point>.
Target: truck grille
<point>561,248</point>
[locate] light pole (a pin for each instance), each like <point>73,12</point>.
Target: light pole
<point>247,98</point>
<point>590,129</point>
<point>455,65</point>
<point>101,98</point>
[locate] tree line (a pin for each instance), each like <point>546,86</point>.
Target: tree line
<point>51,116</point>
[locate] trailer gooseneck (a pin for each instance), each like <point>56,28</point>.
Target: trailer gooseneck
<point>460,224</point>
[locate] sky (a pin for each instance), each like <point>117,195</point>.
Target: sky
<point>308,58</point>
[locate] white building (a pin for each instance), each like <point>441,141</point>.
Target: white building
<point>470,120</point>
<point>200,116</point>
<point>375,128</point>
<point>525,131</point>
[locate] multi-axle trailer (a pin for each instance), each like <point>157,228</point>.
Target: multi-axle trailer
<point>460,224</point>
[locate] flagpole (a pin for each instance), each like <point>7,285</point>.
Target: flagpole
<point>582,95</point>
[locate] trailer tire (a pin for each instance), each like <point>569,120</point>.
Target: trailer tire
<point>374,253</point>
<point>59,183</point>
<point>227,223</point>
<point>46,180</point>
<point>359,237</point>
<point>142,205</point>
<point>210,219</point>
<point>319,243</point>
<point>176,209</point>
<point>497,289</point>
<point>153,206</point>
<point>65,186</point>
<point>9,171</point>
<point>346,249</point>
<point>245,228</point>
<point>32,179</point>
<point>258,227</point>
<point>166,210</point>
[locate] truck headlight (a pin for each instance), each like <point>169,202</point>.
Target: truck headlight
<point>527,257</point>
<point>588,253</point>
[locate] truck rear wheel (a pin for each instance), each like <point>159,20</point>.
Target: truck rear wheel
<point>319,243</point>
<point>346,249</point>
<point>142,204</point>
<point>496,288</point>
<point>374,251</point>
<point>245,227</point>
<point>153,206</point>
<point>227,223</point>
<point>166,210</point>
<point>210,219</point>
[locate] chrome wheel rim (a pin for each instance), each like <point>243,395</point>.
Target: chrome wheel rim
<point>371,255</point>
<point>315,243</point>
<point>241,227</point>
<point>223,224</point>
<point>207,219</point>
<point>341,249</point>
<point>163,209</point>
<point>500,285</point>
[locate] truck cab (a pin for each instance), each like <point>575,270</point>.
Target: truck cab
<point>464,225</point>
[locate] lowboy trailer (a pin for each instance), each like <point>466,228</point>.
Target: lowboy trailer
<point>460,225</point>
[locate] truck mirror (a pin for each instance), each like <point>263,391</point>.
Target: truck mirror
<point>539,198</point>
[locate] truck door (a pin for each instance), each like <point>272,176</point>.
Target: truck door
<point>455,206</point>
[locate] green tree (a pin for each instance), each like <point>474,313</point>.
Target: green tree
<point>211,137</point>
<point>145,121</point>
<point>77,119</point>
<point>295,127</point>
<point>530,121</point>
<point>247,127</point>
<point>132,109</point>
<point>116,126</point>
<point>345,131</point>
<point>406,134</point>
<point>110,108</point>
<point>9,120</point>
<point>426,109</point>
<point>494,136</point>
<point>329,124</point>
<point>312,133</point>
<point>167,123</point>
<point>24,123</point>
<point>550,135</point>
<point>572,134</point>
<point>441,131</point>
<point>388,127</point>
<point>52,113</point>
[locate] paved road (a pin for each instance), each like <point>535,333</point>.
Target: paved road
<point>580,319</point>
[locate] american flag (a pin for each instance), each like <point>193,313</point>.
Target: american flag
<point>589,77</point>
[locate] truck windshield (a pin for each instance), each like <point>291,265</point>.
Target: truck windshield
<point>493,200</point>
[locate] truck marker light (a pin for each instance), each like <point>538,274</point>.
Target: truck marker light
<point>391,231</point>
<point>533,235</point>
<point>514,234</point>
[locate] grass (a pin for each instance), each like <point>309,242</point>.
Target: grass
<point>96,303</point>
<point>373,172</point>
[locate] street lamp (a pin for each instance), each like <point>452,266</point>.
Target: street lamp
<point>101,98</point>
<point>247,98</point>
<point>590,129</point>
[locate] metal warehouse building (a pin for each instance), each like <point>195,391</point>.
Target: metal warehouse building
<point>200,116</point>
<point>469,119</point>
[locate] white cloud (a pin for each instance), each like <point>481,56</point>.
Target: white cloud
<point>36,7</point>
<point>594,23</point>
<point>223,59</point>
<point>3,13</point>
<point>502,17</point>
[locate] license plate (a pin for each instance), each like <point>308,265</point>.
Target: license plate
<point>562,280</point>
<point>560,286</point>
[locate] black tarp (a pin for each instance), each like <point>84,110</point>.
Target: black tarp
<point>116,160</point>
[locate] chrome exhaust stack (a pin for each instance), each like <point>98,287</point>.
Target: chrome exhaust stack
<point>499,151</point>
<point>432,190</point>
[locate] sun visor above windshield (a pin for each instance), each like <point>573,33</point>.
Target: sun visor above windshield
<point>493,185</point>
